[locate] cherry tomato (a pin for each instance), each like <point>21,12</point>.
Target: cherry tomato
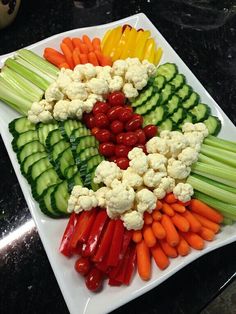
<point>89,120</point>
<point>114,112</point>
<point>130,139</point>
<point>94,279</point>
<point>119,138</point>
<point>107,149</point>
<point>138,116</point>
<point>94,131</point>
<point>122,150</point>
<point>116,99</point>
<point>141,136</point>
<point>101,120</point>
<point>112,159</point>
<point>129,108</point>
<point>82,265</point>
<point>103,135</point>
<point>150,131</point>
<point>113,138</point>
<point>116,126</point>
<point>133,124</point>
<point>143,147</point>
<point>122,163</point>
<point>100,107</point>
<point>125,115</point>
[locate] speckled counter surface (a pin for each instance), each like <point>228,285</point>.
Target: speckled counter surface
<point>203,33</point>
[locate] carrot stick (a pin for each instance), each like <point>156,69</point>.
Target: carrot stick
<point>183,203</point>
<point>76,57</point>
<point>172,236</point>
<point>160,257</point>
<point>169,250</point>
<point>178,207</point>
<point>103,60</point>
<point>159,205</point>
<point>68,42</point>
<point>195,225</point>
<point>156,215</point>
<point>96,42</point>
<point>147,218</point>
<point>143,260</point>
<point>137,236</point>
<point>84,48</point>
<point>92,58</point>
<point>158,230</point>
<point>88,43</point>
<point>83,58</point>
<point>167,209</point>
<point>194,240</point>
<point>76,42</point>
<point>68,54</point>
<point>207,223</point>
<point>206,234</point>
<point>149,236</point>
<point>64,65</point>
<point>170,198</point>
<point>183,247</point>
<point>53,56</point>
<point>206,211</point>
<point>180,222</point>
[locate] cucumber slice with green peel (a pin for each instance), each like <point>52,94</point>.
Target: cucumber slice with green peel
<point>68,126</point>
<point>64,160</point>
<point>60,197</point>
<point>191,101</point>
<point>168,70</point>
<point>159,82</point>
<point>85,154</point>
<point>24,138</point>
<point>89,164</point>
<point>70,171</point>
<point>75,180</point>
<point>38,167</point>
<point>166,93</point>
<point>167,124</point>
<point>30,160</point>
<point>213,124</point>
<point>21,125</point>
<point>155,117</point>
<point>45,203</point>
<point>29,149</point>
<point>85,141</point>
<point>89,183</point>
<point>53,137</point>
<point>142,97</point>
<point>77,133</point>
<point>184,92</point>
<point>189,118</point>
<point>178,81</point>
<point>56,149</point>
<point>179,116</point>
<point>201,112</point>
<point>172,104</point>
<point>149,105</point>
<point>44,130</point>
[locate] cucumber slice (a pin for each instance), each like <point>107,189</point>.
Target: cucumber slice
<point>178,81</point>
<point>159,82</point>
<point>77,133</point>
<point>53,137</point>
<point>191,101</point>
<point>213,124</point>
<point>30,160</point>
<point>85,154</point>
<point>24,138</point>
<point>85,141</point>
<point>75,180</point>
<point>168,70</point>
<point>56,149</point>
<point>201,112</point>
<point>184,92</point>
<point>173,104</point>
<point>149,105</point>
<point>44,130</point>
<point>88,182</point>
<point>155,117</point>
<point>60,197</point>
<point>38,167</point>
<point>68,126</point>
<point>166,125</point>
<point>45,203</point>
<point>89,164</point>
<point>70,171</point>
<point>166,93</point>
<point>179,116</point>
<point>142,97</point>
<point>29,149</point>
<point>64,160</point>
<point>21,125</point>
<point>189,118</point>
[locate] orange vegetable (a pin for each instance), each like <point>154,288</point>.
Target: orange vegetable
<point>156,215</point>
<point>68,54</point>
<point>53,56</point>
<point>160,257</point>
<point>64,65</point>
<point>206,234</point>
<point>158,230</point>
<point>96,42</point>
<point>147,218</point>
<point>76,57</point>
<point>172,236</point>
<point>194,240</point>
<point>167,209</point>
<point>183,248</point>
<point>178,207</point>
<point>103,60</point>
<point>169,250</point>
<point>88,43</point>
<point>83,58</point>
<point>206,211</point>
<point>137,236</point>
<point>180,223</point>
<point>149,236</point>
<point>76,42</point>
<point>143,260</point>
<point>92,58</point>
<point>84,48</point>
<point>68,42</point>
<point>170,198</point>
<point>195,225</point>
<point>159,205</point>
<point>207,223</point>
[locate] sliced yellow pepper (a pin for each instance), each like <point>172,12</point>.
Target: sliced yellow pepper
<point>158,55</point>
<point>104,39</point>
<point>112,41</point>
<point>148,50</point>
<point>129,44</point>
<point>140,44</point>
<point>121,45</point>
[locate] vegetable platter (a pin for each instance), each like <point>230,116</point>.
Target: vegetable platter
<point>79,299</point>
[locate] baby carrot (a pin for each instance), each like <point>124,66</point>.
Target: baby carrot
<point>88,43</point>
<point>167,209</point>
<point>96,42</point>
<point>172,236</point>
<point>160,257</point>
<point>76,42</point>
<point>159,205</point>
<point>180,222</point>
<point>156,215</point>
<point>149,236</point>
<point>158,230</point>
<point>170,198</point>
<point>147,218</point>
<point>183,247</point>
<point>68,42</point>
<point>143,260</point>
<point>168,250</point>
<point>103,60</point>
<point>83,48</point>
<point>68,54</point>
<point>92,58</point>
<point>195,225</point>
<point>76,58</point>
<point>207,223</point>
<point>54,56</point>
<point>206,211</point>
<point>206,234</point>
<point>178,207</point>
<point>83,58</point>
<point>64,65</point>
<point>137,236</point>
<point>194,240</point>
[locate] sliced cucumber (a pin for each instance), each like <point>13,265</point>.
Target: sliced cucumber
<point>173,104</point>
<point>68,126</point>
<point>184,92</point>
<point>89,164</point>
<point>30,160</point>
<point>64,160</point>
<point>178,81</point>
<point>179,116</point>
<point>213,124</point>
<point>88,182</point>
<point>189,118</point>
<point>159,82</point>
<point>53,137</point>
<point>85,141</point>
<point>56,149</point>
<point>75,180</point>
<point>60,197</point>
<point>29,149</point>
<point>201,112</point>
<point>168,70</point>
<point>155,117</point>
<point>191,101</point>
<point>70,171</point>
<point>24,138</point>
<point>77,133</point>
<point>166,125</point>
<point>166,93</point>
<point>85,154</point>
<point>44,130</point>
<point>45,203</point>
<point>142,97</point>
<point>149,105</point>
<point>21,125</point>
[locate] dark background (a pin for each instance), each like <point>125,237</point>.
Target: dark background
<point>203,33</point>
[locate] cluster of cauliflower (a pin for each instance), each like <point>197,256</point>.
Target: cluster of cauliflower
<point>127,194</point>
<point>75,92</point>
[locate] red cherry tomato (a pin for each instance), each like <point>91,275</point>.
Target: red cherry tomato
<point>133,124</point>
<point>138,116</point>
<point>107,149</point>
<point>150,131</point>
<point>143,147</point>
<point>125,115</point>
<point>122,150</point>
<point>103,135</point>
<point>122,163</point>
<point>119,138</point>
<point>94,279</point>
<point>100,107</point>
<point>114,112</point>
<point>89,120</point>
<point>116,99</point>
<point>101,120</point>
<point>141,136</point>
<point>112,158</point>
<point>129,108</point>
<point>82,265</point>
<point>116,126</point>
<point>94,131</point>
<point>130,139</point>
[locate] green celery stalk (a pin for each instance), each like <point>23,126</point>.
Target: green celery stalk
<point>220,143</point>
<point>227,221</point>
<point>229,158</point>
<point>216,180</point>
<point>207,160</point>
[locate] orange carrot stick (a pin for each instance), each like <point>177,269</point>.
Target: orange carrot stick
<point>206,211</point>
<point>172,236</point>
<point>88,43</point>
<point>83,58</point>
<point>156,215</point>
<point>178,207</point>
<point>206,234</point>
<point>194,240</point>
<point>183,203</point>
<point>53,56</point>
<point>92,58</point>
<point>149,236</point>
<point>147,218</point>
<point>143,260</point>
<point>195,225</point>
<point>169,250</point>
<point>207,223</point>
<point>158,230</point>
<point>68,42</point>
<point>180,222</point>
<point>137,236</point>
<point>68,54</point>
<point>76,57</point>
<point>159,205</point>
<point>76,42</point>
<point>170,198</point>
<point>84,48</point>
<point>96,42</point>
<point>160,257</point>
<point>167,209</point>
<point>64,65</point>
<point>183,248</point>
<point>103,60</point>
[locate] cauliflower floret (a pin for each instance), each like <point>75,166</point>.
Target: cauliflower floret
<point>81,199</point>
<point>167,184</point>
<point>101,196</point>
<point>40,112</point>
<point>146,200</point>
<point>157,145</point>
<point>64,78</point>
<point>75,109</point>
<point>87,202</point>
<point>177,170</point>
<point>132,61</point>
<point>104,73</point>
<point>201,127</point>
<point>116,83</point>
<point>129,91</point>
<point>160,193</point>
<point>53,93</point>
<point>166,134</point>
<point>183,192</point>
<point>194,140</point>
<point>150,68</point>
<point>152,179</point>
<point>76,90</point>
<point>188,127</point>
<point>133,220</point>
<point>139,164</point>
<point>131,178</point>
<point>135,152</point>
<point>98,86</point>
<point>176,145</point>
<point>45,116</point>
<point>106,172</point>
<point>90,102</point>
<point>188,156</point>
<point>157,162</point>
<point>86,71</point>
<point>137,75</point>
<point>61,110</point>
<point>119,67</point>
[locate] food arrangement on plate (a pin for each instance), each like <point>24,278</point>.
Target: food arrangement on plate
<point>122,145</point>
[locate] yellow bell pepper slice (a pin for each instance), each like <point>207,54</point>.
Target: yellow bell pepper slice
<point>149,49</point>
<point>104,39</point>
<point>112,41</point>
<point>158,55</point>
<point>121,45</point>
<point>129,44</point>
<point>140,44</point>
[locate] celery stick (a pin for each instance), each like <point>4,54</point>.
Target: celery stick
<point>211,190</point>
<point>220,143</point>
<point>216,180</point>
<point>227,221</point>
<point>219,154</point>
<point>207,160</point>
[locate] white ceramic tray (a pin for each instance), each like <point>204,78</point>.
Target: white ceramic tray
<point>78,298</point>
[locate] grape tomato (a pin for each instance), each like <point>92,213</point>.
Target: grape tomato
<point>130,139</point>
<point>126,115</point>
<point>82,265</point>
<point>133,124</point>
<point>101,120</point>
<point>107,149</point>
<point>119,138</point>
<point>116,98</point>
<point>94,279</point>
<point>141,136</point>
<point>114,112</point>
<point>100,107</point>
<point>122,163</point>
<point>103,135</point>
<point>116,126</point>
<point>122,150</point>
<point>150,130</point>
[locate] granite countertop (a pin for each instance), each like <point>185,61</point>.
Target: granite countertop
<point>203,33</point>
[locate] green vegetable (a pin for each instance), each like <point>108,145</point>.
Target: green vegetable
<point>220,143</point>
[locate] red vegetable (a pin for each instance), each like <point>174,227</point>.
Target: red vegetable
<point>103,135</point>
<point>65,248</point>
<point>130,139</point>
<point>119,138</point>
<point>100,107</point>
<point>141,136</point>
<point>82,265</point>
<point>150,131</point>
<point>116,244</point>
<point>134,124</point>
<point>126,115</point>
<point>101,120</point>
<point>122,163</point>
<point>107,149</point>
<point>94,279</point>
<point>122,150</point>
<point>116,126</point>
<point>116,98</point>
<point>89,120</point>
<point>114,113</point>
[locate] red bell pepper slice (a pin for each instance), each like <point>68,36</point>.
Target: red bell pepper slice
<point>90,246</point>
<point>113,282</point>
<point>64,245</point>
<point>129,269</point>
<point>116,244</point>
<point>103,265</point>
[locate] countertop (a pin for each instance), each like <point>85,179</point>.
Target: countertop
<point>203,33</point>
